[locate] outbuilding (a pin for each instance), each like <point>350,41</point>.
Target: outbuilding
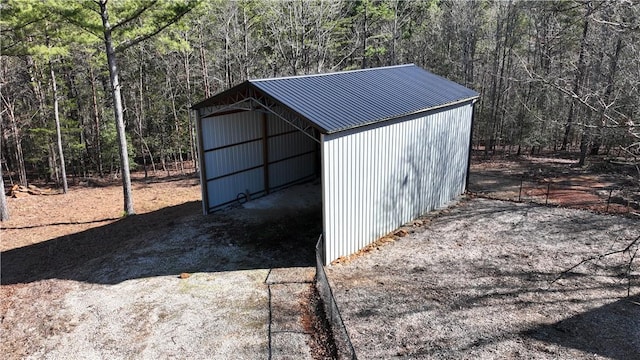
<point>388,145</point>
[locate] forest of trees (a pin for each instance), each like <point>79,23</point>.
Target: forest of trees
<point>553,75</point>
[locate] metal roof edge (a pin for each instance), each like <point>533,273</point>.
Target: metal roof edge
<point>331,73</point>
<point>248,84</point>
<point>472,99</point>
<point>207,102</point>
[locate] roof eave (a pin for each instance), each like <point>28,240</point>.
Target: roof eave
<point>226,98</point>
<point>472,99</point>
<point>217,99</point>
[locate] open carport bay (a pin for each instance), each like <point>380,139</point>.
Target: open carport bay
<point>476,282</point>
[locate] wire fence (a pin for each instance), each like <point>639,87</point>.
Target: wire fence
<point>604,199</point>
<point>340,334</point>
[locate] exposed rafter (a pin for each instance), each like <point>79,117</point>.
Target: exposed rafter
<point>251,100</point>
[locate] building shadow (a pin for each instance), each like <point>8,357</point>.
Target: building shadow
<point>616,336</point>
<point>169,241</point>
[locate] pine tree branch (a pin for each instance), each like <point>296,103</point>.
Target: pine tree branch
<point>134,16</point>
<point>129,43</point>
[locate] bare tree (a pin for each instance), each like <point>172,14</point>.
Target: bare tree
<point>4,211</point>
<point>56,113</point>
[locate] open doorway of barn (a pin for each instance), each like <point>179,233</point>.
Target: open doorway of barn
<point>284,224</point>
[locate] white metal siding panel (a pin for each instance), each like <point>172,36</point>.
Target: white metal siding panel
<point>379,178</point>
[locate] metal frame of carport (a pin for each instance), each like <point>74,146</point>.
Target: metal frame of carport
<point>246,100</point>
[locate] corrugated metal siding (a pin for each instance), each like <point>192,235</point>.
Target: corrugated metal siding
<point>227,189</point>
<point>232,159</point>
<point>233,155</point>
<point>277,126</point>
<point>288,145</point>
<point>232,143</point>
<point>289,154</point>
<point>379,178</point>
<point>230,129</point>
<point>292,170</point>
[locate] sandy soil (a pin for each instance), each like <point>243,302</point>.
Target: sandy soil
<point>78,281</point>
<point>476,282</point>
<point>38,218</point>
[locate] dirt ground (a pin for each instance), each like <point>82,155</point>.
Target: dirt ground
<point>89,205</point>
<point>603,185</point>
<point>476,281</point>
<point>78,278</point>
<point>79,281</point>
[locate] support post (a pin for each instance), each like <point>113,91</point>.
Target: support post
<point>546,201</point>
<point>203,169</point>
<point>520,191</point>
<point>265,151</point>
<point>473,112</point>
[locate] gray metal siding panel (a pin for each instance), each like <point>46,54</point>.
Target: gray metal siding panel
<point>289,145</point>
<point>232,159</point>
<point>224,190</point>
<point>277,126</point>
<point>230,129</point>
<point>377,179</point>
<point>291,170</point>
<point>294,155</point>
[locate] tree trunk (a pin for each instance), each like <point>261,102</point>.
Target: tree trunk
<point>613,67</point>
<point>34,80</point>
<point>140,112</point>
<point>576,84</point>
<point>584,144</point>
<point>203,67</point>
<point>22,172</point>
<point>192,135</point>
<point>364,38</point>
<point>117,105</point>
<point>496,83</point>
<point>4,212</point>
<point>56,114</point>
<point>96,118</point>
<point>227,57</point>
<point>54,173</point>
<point>177,140</point>
<point>79,113</point>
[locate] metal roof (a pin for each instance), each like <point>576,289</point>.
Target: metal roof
<point>344,100</point>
